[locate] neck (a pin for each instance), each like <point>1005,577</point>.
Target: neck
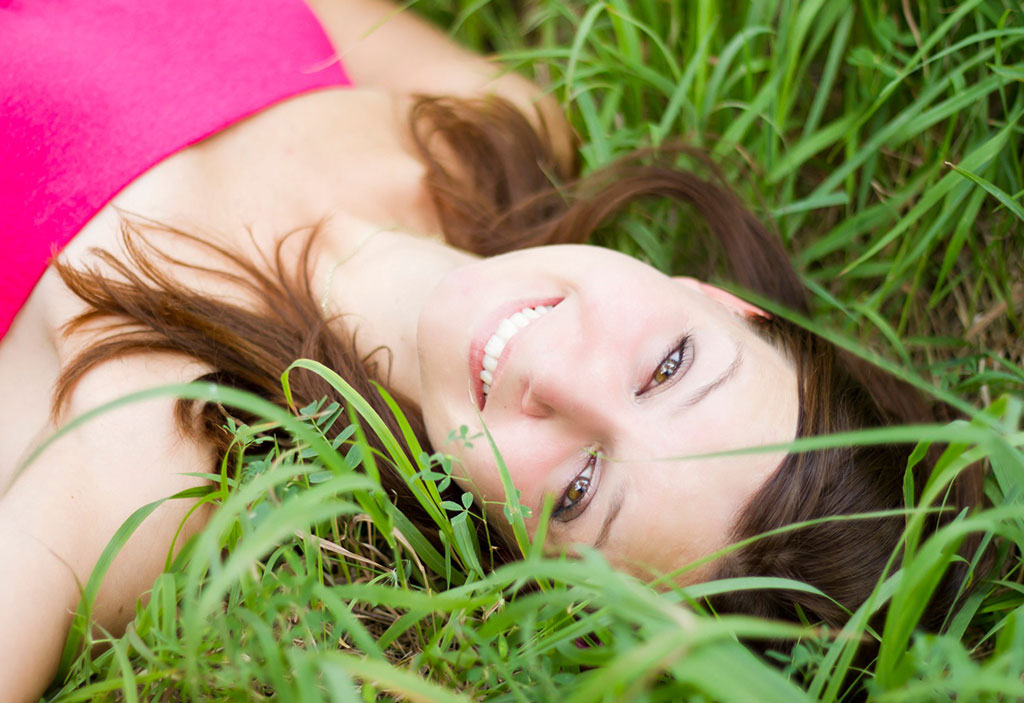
<point>378,281</point>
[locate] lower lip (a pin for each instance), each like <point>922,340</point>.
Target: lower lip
<point>483,333</point>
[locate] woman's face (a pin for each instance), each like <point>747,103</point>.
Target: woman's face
<point>593,400</point>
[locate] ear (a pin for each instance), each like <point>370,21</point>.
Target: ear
<point>739,306</point>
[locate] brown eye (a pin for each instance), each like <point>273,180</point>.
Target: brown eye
<point>676,359</point>
<point>577,490</point>
<point>574,499</point>
<point>667,369</point>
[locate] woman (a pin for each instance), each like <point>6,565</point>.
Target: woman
<point>588,368</point>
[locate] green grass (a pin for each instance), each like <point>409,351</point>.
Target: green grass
<point>884,142</point>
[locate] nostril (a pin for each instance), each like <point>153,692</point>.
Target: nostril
<point>532,404</point>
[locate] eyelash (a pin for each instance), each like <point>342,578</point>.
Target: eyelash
<point>679,358</point>
<point>565,511</point>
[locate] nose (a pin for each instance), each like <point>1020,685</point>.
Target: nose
<point>534,403</point>
<point>578,388</point>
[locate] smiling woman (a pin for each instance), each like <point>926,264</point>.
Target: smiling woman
<point>590,402</point>
<point>436,249</point>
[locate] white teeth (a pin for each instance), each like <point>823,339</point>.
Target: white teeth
<point>494,346</point>
<point>506,329</point>
<point>520,320</point>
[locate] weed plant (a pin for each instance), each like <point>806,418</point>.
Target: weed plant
<point>883,142</point>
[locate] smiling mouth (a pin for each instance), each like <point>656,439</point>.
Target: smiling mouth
<point>490,356</point>
<point>507,329</point>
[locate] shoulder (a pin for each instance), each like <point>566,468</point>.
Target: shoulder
<point>390,48</point>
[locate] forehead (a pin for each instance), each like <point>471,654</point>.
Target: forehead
<point>676,505</point>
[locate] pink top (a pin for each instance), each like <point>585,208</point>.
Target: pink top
<point>95,92</point>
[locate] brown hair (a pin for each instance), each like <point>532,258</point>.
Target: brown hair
<point>497,186</point>
<point>843,559</point>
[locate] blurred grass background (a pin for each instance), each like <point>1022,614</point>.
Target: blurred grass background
<point>883,142</point>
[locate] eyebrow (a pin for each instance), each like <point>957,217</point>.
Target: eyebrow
<point>706,390</point>
<point>613,512</point>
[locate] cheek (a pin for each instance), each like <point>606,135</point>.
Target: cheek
<point>529,465</point>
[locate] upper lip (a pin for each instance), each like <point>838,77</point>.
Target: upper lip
<point>484,332</point>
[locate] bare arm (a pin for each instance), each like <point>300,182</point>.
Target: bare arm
<point>391,49</point>
<point>62,511</point>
